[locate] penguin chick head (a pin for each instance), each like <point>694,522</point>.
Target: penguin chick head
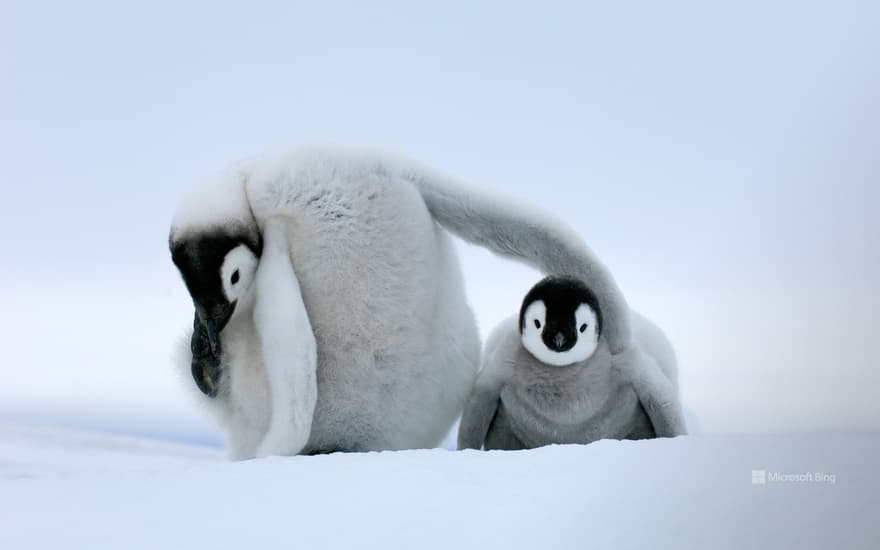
<point>216,246</point>
<point>560,321</point>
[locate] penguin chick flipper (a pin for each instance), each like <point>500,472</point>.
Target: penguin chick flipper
<point>476,418</point>
<point>482,405</point>
<point>287,344</point>
<point>657,394</point>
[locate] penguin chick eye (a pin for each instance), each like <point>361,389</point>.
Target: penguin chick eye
<point>583,327</point>
<point>235,277</point>
<point>537,323</point>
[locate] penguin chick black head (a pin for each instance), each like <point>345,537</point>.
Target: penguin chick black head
<point>218,268</point>
<point>560,321</point>
<point>216,245</point>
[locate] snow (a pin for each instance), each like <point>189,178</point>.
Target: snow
<point>60,487</point>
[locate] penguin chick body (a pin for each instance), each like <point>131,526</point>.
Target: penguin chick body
<point>549,377</point>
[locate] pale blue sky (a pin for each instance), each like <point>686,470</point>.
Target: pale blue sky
<point>723,160</point>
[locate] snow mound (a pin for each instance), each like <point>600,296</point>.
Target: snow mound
<point>71,490</point>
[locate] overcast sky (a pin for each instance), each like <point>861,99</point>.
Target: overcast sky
<point>724,161</point>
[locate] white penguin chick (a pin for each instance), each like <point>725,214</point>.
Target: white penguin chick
<point>554,380</point>
<point>330,313</point>
<point>329,308</point>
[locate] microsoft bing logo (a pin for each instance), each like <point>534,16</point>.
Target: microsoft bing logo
<point>763,477</point>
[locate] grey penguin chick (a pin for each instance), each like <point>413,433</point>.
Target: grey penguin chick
<point>549,377</point>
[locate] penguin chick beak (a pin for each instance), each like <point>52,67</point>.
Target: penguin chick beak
<point>213,337</point>
<point>213,320</point>
<point>559,339</point>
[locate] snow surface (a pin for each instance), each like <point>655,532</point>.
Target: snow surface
<point>67,489</point>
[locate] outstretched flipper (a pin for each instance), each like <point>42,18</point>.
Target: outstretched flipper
<point>521,232</point>
<point>288,346</point>
<point>656,392</point>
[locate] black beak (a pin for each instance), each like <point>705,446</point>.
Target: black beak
<point>559,339</point>
<point>213,337</point>
<point>213,320</point>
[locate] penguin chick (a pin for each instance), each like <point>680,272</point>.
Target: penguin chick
<point>552,378</point>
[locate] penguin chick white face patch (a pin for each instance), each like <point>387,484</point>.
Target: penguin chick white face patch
<point>237,272</point>
<point>549,340</point>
